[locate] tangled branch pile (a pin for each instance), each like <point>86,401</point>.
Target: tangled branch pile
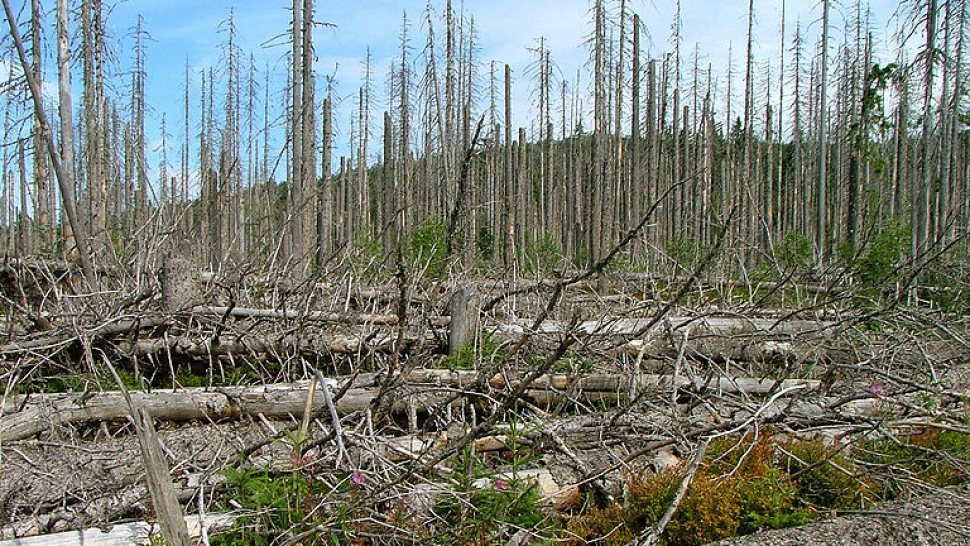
<point>634,411</point>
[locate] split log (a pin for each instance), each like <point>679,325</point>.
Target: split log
<point>159,479</point>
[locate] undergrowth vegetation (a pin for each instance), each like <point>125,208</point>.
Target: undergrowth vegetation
<point>744,485</point>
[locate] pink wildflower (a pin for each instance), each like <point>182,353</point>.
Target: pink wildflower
<point>358,478</point>
<point>877,389</point>
<point>501,485</point>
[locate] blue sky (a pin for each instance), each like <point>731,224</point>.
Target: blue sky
<point>187,30</point>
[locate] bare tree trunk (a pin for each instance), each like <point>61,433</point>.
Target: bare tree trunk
<point>65,182</point>
<point>633,202</point>
<point>748,182</point>
<point>619,196</point>
<point>93,128</point>
<point>921,200</point>
<point>782,186</point>
<point>402,212</point>
<point>324,202</point>
<point>25,245</point>
<point>953,155</point>
<point>295,193</point>
<point>821,229</point>
<point>597,193</point>
<point>308,124</point>
<point>138,128</point>
<point>41,199</point>
<point>509,198</point>
<point>65,109</point>
<point>387,219</point>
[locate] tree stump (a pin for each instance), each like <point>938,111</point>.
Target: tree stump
<point>464,307</point>
<point>177,280</point>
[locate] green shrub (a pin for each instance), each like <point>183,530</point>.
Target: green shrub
<point>875,267</point>
<point>429,246</point>
<point>272,505</point>
<point>544,254</point>
<point>796,252</point>
<point>768,501</point>
<point>825,476</point>
<point>767,495</point>
<point>470,355</point>
<point>938,457</point>
<point>682,250</point>
<point>491,514</point>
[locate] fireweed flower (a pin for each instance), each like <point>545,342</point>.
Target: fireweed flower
<point>358,478</point>
<point>877,389</point>
<point>501,485</point>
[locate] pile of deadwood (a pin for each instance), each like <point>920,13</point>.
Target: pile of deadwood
<point>596,382</point>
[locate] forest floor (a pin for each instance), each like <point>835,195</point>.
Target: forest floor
<point>617,409</point>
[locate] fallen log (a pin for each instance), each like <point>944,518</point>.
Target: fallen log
<point>41,412</point>
<point>112,328</point>
<point>125,534</point>
<point>639,382</point>
<point>292,314</point>
<point>626,326</point>
<point>254,344</point>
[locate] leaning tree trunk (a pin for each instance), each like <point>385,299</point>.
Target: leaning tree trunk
<point>64,180</point>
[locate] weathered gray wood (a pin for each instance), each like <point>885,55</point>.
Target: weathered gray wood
<point>292,314</point>
<point>160,486</point>
<point>137,533</point>
<point>251,345</point>
<point>110,328</point>
<point>178,284</point>
<point>464,307</point>
<point>615,382</point>
<point>43,412</point>
<point>711,325</point>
